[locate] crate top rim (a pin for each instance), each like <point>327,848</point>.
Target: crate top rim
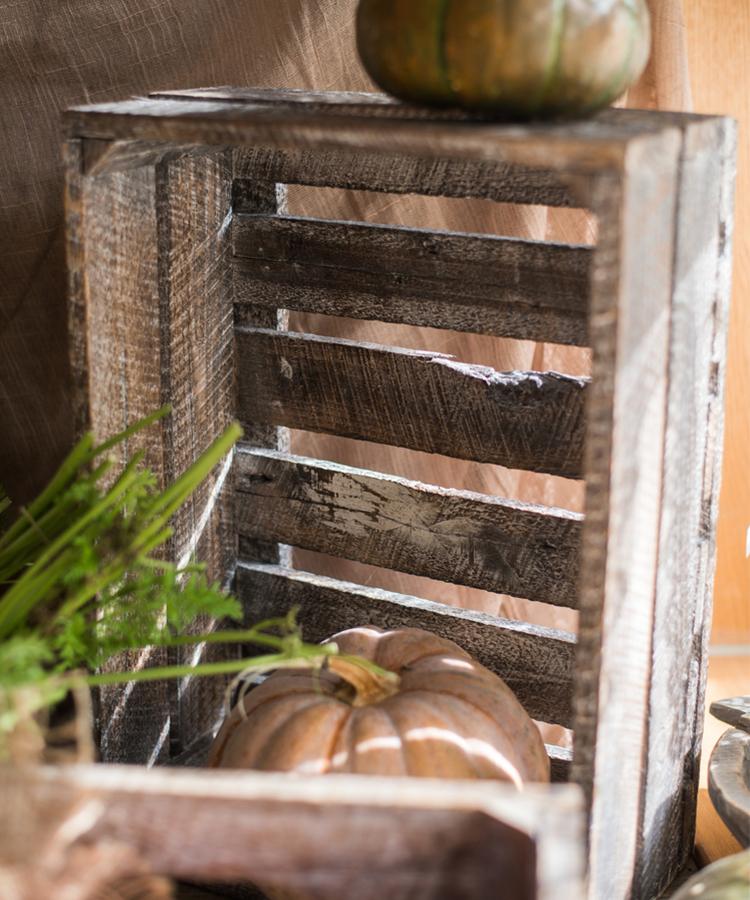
<point>370,123</point>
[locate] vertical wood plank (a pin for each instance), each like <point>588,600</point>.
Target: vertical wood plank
<point>193,207</point>
<point>253,196</point>
<point>116,361</point>
<point>692,462</point>
<point>631,296</point>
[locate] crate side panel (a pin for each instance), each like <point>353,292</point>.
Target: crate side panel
<point>626,416</point>
<point>409,398</point>
<point>692,448</point>
<point>491,285</point>
<point>115,328</point>
<point>454,536</point>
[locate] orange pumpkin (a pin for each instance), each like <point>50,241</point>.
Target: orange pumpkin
<point>513,57</point>
<point>444,715</point>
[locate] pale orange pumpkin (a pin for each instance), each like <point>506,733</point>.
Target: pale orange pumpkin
<point>443,716</point>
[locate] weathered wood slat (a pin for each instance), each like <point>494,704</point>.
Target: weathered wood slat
<point>455,536</point>
<point>491,285</point>
<point>416,399</point>
<point>624,453</point>
<point>537,663</point>
<point>691,464</point>
<point>325,837</point>
<point>561,760</point>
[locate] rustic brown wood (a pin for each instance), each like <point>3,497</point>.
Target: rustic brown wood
<point>583,146</point>
<point>456,536</point>
<point>657,349</point>
<point>251,197</point>
<point>425,401</point>
<point>329,836</point>
<point>193,199</point>
<point>537,663</point>
<point>115,305</point>
<point>689,505</point>
<point>513,288</point>
<point>631,298</point>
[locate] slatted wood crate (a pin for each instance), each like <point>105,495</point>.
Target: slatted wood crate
<point>181,263</point>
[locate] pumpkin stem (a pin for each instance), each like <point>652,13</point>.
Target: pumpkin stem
<point>371,683</point>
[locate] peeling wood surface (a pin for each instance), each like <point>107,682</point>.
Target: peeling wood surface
<point>524,289</point>
<point>424,401</point>
<point>455,536</point>
<point>537,663</point>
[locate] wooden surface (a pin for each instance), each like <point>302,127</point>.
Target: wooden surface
<point>449,535</point>
<point>691,466</point>
<point>627,167</point>
<point>524,289</point>
<point>410,398</point>
<point>328,836</point>
<point>630,316</point>
<point>718,38</point>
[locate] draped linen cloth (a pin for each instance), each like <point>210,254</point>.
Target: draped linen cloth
<point>57,54</point>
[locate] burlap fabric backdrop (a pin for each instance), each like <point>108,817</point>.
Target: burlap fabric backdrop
<point>55,53</point>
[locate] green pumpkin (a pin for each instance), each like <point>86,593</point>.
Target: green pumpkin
<point>527,58</point>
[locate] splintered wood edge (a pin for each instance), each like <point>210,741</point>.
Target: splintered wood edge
<point>427,401</point>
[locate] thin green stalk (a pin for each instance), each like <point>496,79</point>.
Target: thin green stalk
<point>132,430</point>
<point>226,667</point>
<point>173,497</point>
<point>17,593</point>
<point>78,457</point>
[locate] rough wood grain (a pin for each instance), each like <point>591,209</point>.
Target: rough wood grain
<point>253,197</point>
<point>434,403</point>
<point>536,662</point>
<point>513,288</point>
<point>456,536</point>
<point>421,400</point>
<point>687,529</point>
<point>328,835</point>
<point>116,363</point>
<point>584,146</point>
<point>193,197</point>
<point>631,300</point>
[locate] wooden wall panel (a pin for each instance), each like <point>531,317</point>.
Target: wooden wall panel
<point>718,35</point>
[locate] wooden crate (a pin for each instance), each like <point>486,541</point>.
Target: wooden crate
<point>181,263</point>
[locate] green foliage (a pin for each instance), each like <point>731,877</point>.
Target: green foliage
<point>80,581</point>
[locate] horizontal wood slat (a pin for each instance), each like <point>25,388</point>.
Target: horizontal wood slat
<point>536,662</point>
<point>507,287</point>
<point>455,536</point>
<point>308,835</point>
<point>409,398</point>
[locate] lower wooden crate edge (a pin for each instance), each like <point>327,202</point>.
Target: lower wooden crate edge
<point>197,826</point>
